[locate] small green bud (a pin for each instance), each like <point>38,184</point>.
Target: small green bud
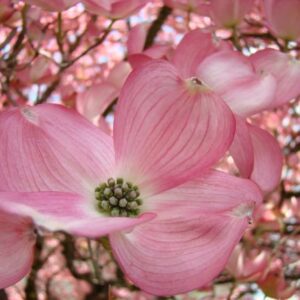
<point>115,212</point>
<point>118,192</point>
<point>113,200</point>
<point>123,202</point>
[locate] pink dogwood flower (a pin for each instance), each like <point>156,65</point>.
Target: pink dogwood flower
<point>247,91</point>
<point>172,222</point>
<point>286,70</point>
<point>283,18</point>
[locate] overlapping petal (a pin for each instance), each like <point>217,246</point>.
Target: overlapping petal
<point>177,256</point>
<point>136,38</point>
<point>165,133</point>
<point>114,8</point>
<point>284,68</point>
<point>232,75</point>
<point>229,13</point>
<point>241,148</point>
<point>192,50</point>
<point>283,18</point>
<point>94,101</point>
<point>43,150</point>
<point>16,247</point>
<point>257,155</point>
<point>53,5</point>
<point>66,211</point>
<point>267,159</point>
<point>213,193</point>
<point>186,248</point>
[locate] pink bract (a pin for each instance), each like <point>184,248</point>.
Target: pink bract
<point>283,18</point>
<point>248,265</point>
<point>229,14</point>
<point>93,102</point>
<point>17,240</point>
<point>137,55</point>
<point>246,90</point>
<point>166,138</point>
<point>114,8</point>
<point>53,5</point>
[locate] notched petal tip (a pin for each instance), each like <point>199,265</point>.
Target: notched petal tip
<point>30,115</point>
<point>244,210</point>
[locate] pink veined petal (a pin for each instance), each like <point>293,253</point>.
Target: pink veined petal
<point>267,159</point>
<point>246,92</point>
<point>192,50</point>
<point>124,8</point>
<point>104,4</point>
<point>119,74</point>
<point>177,255</point>
<point>94,101</point>
<point>284,68</point>
<point>213,193</point>
<point>158,51</point>
<point>52,148</point>
<point>165,133</point>
<point>69,212</point>
<point>241,148</point>
<point>188,244</point>
<point>118,8</point>
<point>138,60</point>
<point>136,38</point>
<point>229,13</point>
<point>53,5</point>
<point>195,6</point>
<point>283,18</point>
<point>16,247</point>
<point>104,125</point>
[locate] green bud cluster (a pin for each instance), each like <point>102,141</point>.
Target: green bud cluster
<point>117,198</point>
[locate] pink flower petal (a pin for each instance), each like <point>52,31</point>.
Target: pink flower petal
<point>229,13</point>
<point>68,212</point>
<point>94,101</point>
<point>283,18</point>
<point>118,8</point>
<point>53,149</point>
<point>136,38</point>
<point>165,133</point>
<point>192,50</point>
<point>244,91</point>
<point>245,265</point>
<point>137,60</point>
<point>284,68</point>
<point>119,74</point>
<point>16,247</point>
<point>178,254</point>
<point>158,51</point>
<point>53,5</point>
<point>241,148</point>
<point>267,159</point>
<point>214,193</point>
<point>257,155</point>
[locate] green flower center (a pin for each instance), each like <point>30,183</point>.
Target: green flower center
<point>117,198</point>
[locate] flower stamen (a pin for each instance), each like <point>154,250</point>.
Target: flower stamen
<point>117,198</point>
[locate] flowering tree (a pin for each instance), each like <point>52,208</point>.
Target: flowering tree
<point>149,149</point>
